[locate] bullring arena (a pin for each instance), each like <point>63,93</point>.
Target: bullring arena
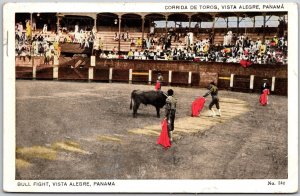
<point>72,100</point>
<point>88,130</point>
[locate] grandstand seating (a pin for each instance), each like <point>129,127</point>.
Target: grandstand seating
<point>109,43</point>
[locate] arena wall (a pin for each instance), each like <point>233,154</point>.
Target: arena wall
<point>230,76</point>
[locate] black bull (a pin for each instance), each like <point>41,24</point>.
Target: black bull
<point>155,98</point>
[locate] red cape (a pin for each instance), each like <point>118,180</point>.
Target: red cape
<point>164,137</point>
<point>197,106</point>
<point>245,63</point>
<point>157,86</point>
<point>263,99</point>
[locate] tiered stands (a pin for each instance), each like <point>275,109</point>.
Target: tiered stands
<point>109,42</point>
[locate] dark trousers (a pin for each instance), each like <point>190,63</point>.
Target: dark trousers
<point>171,119</point>
<point>214,101</point>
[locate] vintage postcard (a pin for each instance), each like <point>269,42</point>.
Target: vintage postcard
<point>150,97</point>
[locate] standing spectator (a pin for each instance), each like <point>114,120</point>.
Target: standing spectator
<point>148,43</point>
<point>45,28</point>
<point>33,24</point>
<point>20,29</point>
<point>86,42</point>
<point>144,44</point>
<point>76,28</point>
<point>28,30</point>
<point>152,28</point>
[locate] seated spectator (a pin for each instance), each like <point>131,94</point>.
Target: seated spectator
<point>132,42</point>
<point>103,55</point>
<point>151,55</point>
<point>117,36</point>
<point>110,55</point>
<point>125,36</point>
<point>130,54</point>
<point>115,50</point>
<point>136,54</point>
<point>139,42</point>
<point>144,55</point>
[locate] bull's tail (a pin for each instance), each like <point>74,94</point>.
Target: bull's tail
<point>132,95</point>
<point>130,103</point>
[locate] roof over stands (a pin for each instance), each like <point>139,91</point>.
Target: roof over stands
<point>247,14</point>
<point>155,16</point>
<point>203,17</point>
<point>180,17</point>
<point>68,14</point>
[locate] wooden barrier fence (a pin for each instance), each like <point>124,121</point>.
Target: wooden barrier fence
<point>179,76</point>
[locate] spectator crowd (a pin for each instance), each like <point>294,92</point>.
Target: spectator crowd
<point>170,46</point>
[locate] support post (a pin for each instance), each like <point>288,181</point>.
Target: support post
<point>264,26</point>
<point>31,27</point>
<point>34,72</point>
<point>119,40</point>
<point>143,26</point>
<point>227,20</point>
<point>130,76</point>
<point>110,75</point>
<point>150,77</point>
<point>190,79</point>
<point>166,26</point>
<point>95,21</point>
<point>57,23</point>
<point>91,69</point>
<point>238,24</point>
<point>93,61</point>
<point>213,29</point>
<point>251,82</point>
<point>55,67</point>
<point>231,80</point>
<point>91,73</point>
<point>32,51</point>
<point>273,83</point>
<point>55,73</point>
<point>170,78</point>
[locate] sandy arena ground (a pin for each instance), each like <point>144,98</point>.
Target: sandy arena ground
<point>72,130</point>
